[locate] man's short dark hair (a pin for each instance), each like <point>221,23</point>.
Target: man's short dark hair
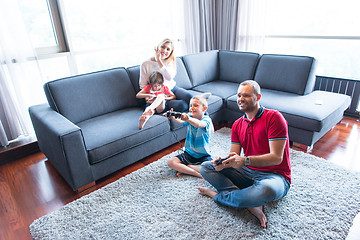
<point>254,84</point>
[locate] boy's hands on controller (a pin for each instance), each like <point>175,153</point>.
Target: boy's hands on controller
<point>185,117</point>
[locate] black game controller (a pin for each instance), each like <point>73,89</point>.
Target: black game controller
<point>172,113</point>
<point>220,161</point>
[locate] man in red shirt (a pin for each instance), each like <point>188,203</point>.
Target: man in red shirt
<point>263,173</point>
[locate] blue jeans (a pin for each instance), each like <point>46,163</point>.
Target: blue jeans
<point>244,187</point>
<point>181,103</point>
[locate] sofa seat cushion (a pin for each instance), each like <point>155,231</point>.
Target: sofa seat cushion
<point>106,136</point>
<point>219,88</point>
<point>310,112</point>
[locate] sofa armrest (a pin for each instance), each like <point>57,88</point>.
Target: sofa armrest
<point>62,143</point>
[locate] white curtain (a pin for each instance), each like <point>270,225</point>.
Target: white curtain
<point>20,76</point>
<point>227,24</point>
<point>224,24</point>
<point>251,25</point>
<point>210,24</point>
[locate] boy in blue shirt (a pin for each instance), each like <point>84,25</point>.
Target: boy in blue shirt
<point>199,129</point>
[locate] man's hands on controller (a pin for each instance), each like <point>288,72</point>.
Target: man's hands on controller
<point>233,160</point>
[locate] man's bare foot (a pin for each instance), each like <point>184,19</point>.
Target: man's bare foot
<point>259,213</point>
<point>207,192</point>
<point>144,117</point>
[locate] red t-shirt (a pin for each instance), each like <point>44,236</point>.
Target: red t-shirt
<point>254,137</point>
<point>165,90</point>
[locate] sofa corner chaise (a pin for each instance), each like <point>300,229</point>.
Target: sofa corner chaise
<point>89,127</point>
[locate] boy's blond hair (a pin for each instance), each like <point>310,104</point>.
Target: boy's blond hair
<point>202,99</point>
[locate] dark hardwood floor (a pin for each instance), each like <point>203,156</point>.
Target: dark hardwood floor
<point>30,187</point>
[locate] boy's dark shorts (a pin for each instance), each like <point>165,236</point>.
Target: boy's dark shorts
<point>187,159</point>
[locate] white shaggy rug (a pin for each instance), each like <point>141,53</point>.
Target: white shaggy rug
<point>152,203</point>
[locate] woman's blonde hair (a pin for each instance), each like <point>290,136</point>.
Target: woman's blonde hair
<point>171,57</point>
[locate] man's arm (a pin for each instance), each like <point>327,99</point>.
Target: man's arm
<point>235,148</point>
<point>275,156</point>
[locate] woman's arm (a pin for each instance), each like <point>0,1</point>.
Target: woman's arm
<point>145,72</point>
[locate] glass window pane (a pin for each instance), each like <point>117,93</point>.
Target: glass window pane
<point>315,18</point>
<point>39,22</point>
<point>101,60</point>
<point>121,24</point>
<point>54,68</point>
<point>335,58</point>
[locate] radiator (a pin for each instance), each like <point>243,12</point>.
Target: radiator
<point>345,86</point>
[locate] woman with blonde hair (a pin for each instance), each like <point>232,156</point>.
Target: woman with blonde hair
<point>164,62</point>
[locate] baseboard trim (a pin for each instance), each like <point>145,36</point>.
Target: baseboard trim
<point>18,149</point>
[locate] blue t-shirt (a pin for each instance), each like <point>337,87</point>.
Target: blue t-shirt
<point>197,139</point>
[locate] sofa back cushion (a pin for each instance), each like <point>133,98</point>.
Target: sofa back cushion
<point>82,97</point>
<point>202,67</point>
<point>182,78</point>
<point>237,66</point>
<point>293,74</point>
<point>134,74</point>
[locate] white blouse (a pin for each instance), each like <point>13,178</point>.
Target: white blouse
<point>150,66</point>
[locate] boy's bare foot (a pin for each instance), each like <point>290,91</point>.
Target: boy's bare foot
<point>259,213</point>
<point>207,192</point>
<point>144,117</point>
<point>196,168</point>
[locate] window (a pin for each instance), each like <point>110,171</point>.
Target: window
<point>74,37</point>
<point>117,33</point>
<point>325,29</point>
<point>44,25</point>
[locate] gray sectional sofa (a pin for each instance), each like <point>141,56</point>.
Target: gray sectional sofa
<point>89,127</point>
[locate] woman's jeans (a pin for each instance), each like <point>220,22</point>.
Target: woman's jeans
<point>181,103</point>
<point>244,187</point>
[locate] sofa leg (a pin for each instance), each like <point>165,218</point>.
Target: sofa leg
<point>87,186</point>
<point>309,148</point>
